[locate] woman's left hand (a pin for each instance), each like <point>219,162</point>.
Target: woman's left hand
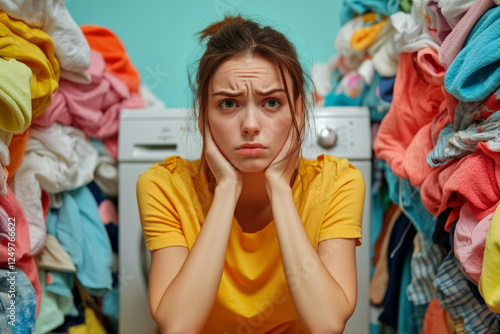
<point>282,168</point>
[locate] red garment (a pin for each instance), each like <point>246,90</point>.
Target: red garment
<point>418,99</point>
<point>17,147</point>
<point>436,319</point>
<point>23,259</point>
<point>106,42</point>
<point>474,179</point>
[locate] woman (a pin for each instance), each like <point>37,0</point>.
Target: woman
<point>251,238</point>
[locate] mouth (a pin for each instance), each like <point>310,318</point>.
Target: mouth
<point>250,149</point>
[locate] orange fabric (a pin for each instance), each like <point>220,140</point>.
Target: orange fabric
<point>435,320</point>
<point>107,43</point>
<point>17,147</point>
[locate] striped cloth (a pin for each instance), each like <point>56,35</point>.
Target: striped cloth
<point>456,297</point>
<point>426,259</point>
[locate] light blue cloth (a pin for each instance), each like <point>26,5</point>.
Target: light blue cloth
<point>23,311</point>
<point>350,8</point>
<point>81,233</point>
<point>453,145</point>
<point>475,73</point>
<point>456,297</point>
<point>50,315</point>
<point>408,198</point>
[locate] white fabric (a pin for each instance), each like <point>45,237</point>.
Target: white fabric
<point>412,32</point>
<point>454,10</point>
<point>57,158</point>
<point>352,58</point>
<point>71,48</point>
<point>106,175</point>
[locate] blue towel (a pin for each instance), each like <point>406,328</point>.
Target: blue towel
<point>80,231</point>
<point>475,73</point>
<point>350,8</point>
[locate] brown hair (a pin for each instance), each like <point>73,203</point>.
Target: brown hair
<point>236,37</point>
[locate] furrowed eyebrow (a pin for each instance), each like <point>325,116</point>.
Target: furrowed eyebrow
<point>272,91</point>
<point>227,94</point>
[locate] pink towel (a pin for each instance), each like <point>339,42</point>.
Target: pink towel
<point>94,108</point>
<point>417,100</point>
<point>469,241</point>
<point>454,42</point>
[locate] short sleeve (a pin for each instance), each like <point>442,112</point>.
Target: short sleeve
<point>160,221</point>
<point>344,214</point>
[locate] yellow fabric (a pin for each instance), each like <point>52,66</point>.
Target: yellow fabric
<point>34,48</point>
<point>15,96</point>
<point>253,296</point>
<point>489,286</point>
<point>364,37</point>
<point>91,325</point>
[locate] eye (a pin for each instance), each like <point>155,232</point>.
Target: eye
<point>273,103</point>
<point>227,104</point>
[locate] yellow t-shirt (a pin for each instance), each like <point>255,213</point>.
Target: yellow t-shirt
<point>253,297</point>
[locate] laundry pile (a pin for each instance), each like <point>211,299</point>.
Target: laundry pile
<point>62,88</point>
<point>429,71</point>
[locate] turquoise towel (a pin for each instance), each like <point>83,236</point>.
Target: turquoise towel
<point>475,73</point>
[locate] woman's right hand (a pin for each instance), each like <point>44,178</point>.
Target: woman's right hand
<point>224,172</point>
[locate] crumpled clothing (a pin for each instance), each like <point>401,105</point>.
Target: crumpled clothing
<point>469,241</point>
<point>454,10</point>
<point>453,145</point>
<point>418,99</point>
<point>456,297</point>
<point>15,95</point>
<point>412,33</point>
<point>81,233</point>
<point>17,147</point>
<point>442,27</point>
<point>454,42</point>
<point>71,47</point>
<point>350,8</point>
<point>53,257</point>
<point>458,182</point>
<point>34,48</point>
<point>57,158</point>
<point>488,282</point>
<point>105,41</point>
<point>24,299</point>
<point>364,37</point>
<point>352,58</point>
<point>475,73</point>
<point>93,108</point>
<point>425,263</point>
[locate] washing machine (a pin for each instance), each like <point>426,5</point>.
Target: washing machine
<point>149,135</point>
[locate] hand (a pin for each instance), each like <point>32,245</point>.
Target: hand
<point>282,168</point>
<point>222,169</point>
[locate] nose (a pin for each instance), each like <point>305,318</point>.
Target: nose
<point>251,123</point>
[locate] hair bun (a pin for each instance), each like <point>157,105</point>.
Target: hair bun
<point>218,26</point>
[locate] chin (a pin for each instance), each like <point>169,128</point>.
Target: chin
<point>252,166</point>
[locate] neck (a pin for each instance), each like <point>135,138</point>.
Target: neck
<point>253,210</point>
<point>254,188</point>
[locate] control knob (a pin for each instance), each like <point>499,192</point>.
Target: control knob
<point>327,138</point>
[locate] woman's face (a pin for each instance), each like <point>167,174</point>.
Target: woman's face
<point>248,112</point>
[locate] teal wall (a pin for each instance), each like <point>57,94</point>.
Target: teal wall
<point>160,35</point>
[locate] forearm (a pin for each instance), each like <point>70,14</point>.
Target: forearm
<point>319,300</point>
<point>189,298</point>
